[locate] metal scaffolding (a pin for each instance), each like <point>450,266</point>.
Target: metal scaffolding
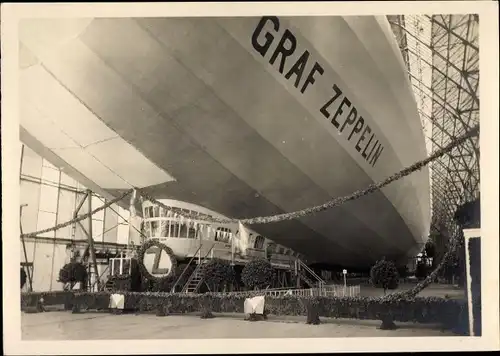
<point>441,53</point>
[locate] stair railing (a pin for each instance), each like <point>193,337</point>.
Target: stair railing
<point>299,266</point>
<point>185,269</point>
<point>197,269</point>
<point>103,285</point>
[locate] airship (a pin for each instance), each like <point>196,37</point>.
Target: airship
<point>243,116</point>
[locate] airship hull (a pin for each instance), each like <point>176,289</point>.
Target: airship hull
<point>244,116</point>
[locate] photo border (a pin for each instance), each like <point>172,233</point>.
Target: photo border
<point>10,15</point>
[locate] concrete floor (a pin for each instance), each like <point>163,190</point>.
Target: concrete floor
<point>58,325</point>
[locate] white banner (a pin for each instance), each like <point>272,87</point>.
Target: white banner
<point>243,239</point>
<point>117,301</point>
<point>254,305</point>
<point>134,221</point>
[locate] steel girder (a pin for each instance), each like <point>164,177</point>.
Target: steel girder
<point>450,54</point>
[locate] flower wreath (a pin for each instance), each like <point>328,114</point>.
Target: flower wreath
<point>144,247</point>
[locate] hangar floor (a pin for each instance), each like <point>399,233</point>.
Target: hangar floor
<point>101,326</point>
<point>58,325</point>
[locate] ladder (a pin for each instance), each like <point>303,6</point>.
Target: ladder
<point>108,286</point>
<point>196,278</point>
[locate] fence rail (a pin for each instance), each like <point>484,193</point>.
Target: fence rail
<point>325,291</point>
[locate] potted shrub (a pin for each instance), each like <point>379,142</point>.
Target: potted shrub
<point>217,274</point>
<point>384,274</point>
<point>258,274</point>
<point>72,273</point>
<point>421,271</point>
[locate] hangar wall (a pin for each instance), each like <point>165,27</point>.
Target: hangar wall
<point>51,197</point>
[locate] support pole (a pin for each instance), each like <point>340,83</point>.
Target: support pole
<point>77,210</point>
<point>30,281</point>
<point>131,219</point>
<point>297,273</point>
<point>91,241</point>
<point>232,249</point>
<point>28,274</point>
<point>199,249</point>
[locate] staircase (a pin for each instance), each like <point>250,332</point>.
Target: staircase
<point>194,282</point>
<point>196,278</point>
<point>306,279</point>
<point>108,286</point>
<point>306,274</point>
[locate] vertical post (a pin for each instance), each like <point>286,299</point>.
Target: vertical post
<point>28,274</point>
<point>232,249</point>
<point>91,240</point>
<point>199,249</point>
<point>30,281</point>
<point>297,268</point>
<point>132,214</point>
<point>55,232</point>
<point>472,234</point>
<point>103,227</point>
<point>344,272</point>
<point>469,284</point>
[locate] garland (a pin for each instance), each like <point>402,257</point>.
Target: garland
<point>370,189</point>
<point>77,219</point>
<point>142,251</point>
<point>294,215</point>
<point>285,216</point>
<point>334,202</point>
<point>412,293</point>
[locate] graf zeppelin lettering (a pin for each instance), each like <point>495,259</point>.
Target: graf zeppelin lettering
<point>278,46</point>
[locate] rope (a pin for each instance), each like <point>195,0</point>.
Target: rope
<point>79,218</point>
<point>337,201</point>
